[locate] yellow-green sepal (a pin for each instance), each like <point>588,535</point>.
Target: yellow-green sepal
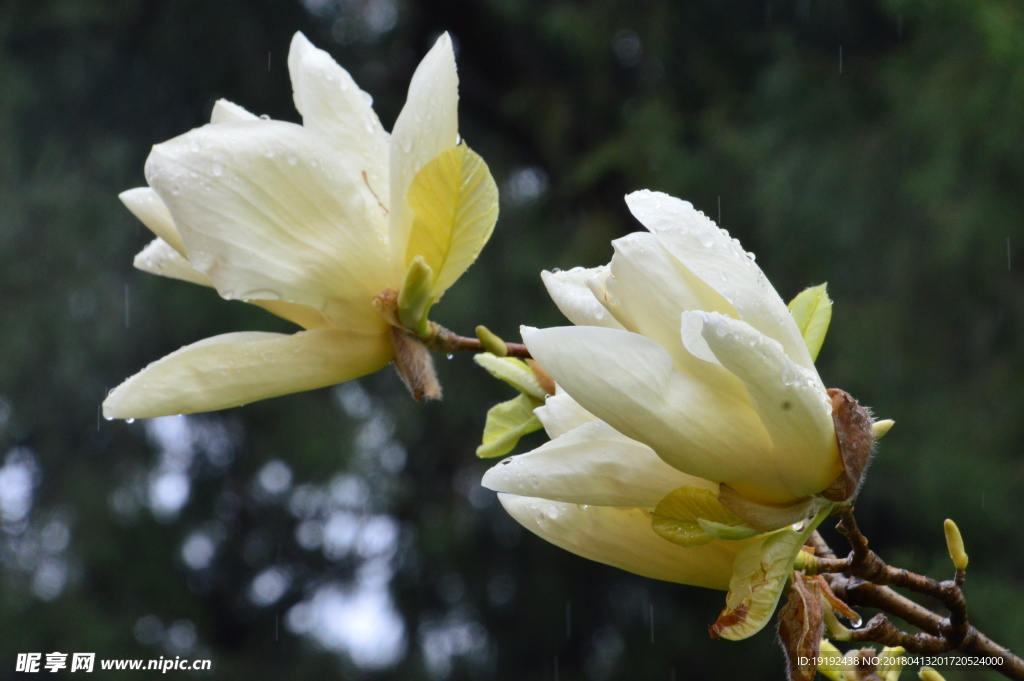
<point>515,372</point>
<point>691,516</point>
<point>415,300</point>
<point>506,423</point>
<point>454,202</point>
<point>759,576</point>
<point>812,312</point>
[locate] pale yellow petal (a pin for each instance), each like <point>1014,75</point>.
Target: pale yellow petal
<point>623,538</point>
<point>267,213</point>
<point>149,208</point>
<point>629,382</point>
<point>719,260</point>
<point>790,399</point>
<point>561,413</point>
<point>333,107</point>
<point>427,125</point>
<point>593,464</point>
<point>229,112</point>
<point>238,368</point>
<point>159,258</point>
<point>454,201</point>
<point>569,290</point>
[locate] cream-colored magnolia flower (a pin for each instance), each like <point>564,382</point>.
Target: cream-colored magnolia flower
<point>686,384</point>
<point>311,222</point>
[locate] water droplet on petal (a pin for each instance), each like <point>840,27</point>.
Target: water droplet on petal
<point>218,169</point>
<point>706,238</point>
<point>194,146</point>
<point>129,420</point>
<point>292,159</point>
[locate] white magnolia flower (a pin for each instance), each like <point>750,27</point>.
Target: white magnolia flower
<point>592,491</point>
<point>684,369</point>
<point>310,222</point>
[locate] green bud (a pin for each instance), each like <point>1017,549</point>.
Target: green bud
<point>491,342</point>
<point>955,544</point>
<point>414,301</point>
<point>880,428</point>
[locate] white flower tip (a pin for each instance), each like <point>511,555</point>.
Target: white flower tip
<point>299,43</point>
<point>495,476</point>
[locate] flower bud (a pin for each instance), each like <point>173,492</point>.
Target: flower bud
<point>491,341</point>
<point>929,674</point>
<point>955,544</point>
<point>414,300</point>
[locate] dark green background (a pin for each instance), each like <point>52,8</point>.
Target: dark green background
<point>897,176</point>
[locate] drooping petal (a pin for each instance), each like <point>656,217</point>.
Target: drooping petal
<point>654,290</point>
<point>229,112</point>
<point>150,209</point>
<point>593,464</point>
<point>574,298</point>
<point>715,257</point>
<point>629,381</point>
<point>238,368</point>
<point>561,413</point>
<point>791,401</point>
<point>623,538</point>
<point>333,107</point>
<point>267,213</point>
<point>427,125</point>
<point>159,258</point>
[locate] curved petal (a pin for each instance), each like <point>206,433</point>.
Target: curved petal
<point>333,107</point>
<point>150,209</point>
<point>159,258</point>
<point>623,538</point>
<point>267,213</point>
<point>791,401</point>
<point>427,125</point>
<point>654,290</point>
<point>719,260</point>
<point>593,464</point>
<point>229,112</point>
<point>560,413</point>
<point>574,298</point>
<point>238,368</point>
<point>629,381</point>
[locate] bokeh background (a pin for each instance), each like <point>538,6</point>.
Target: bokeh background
<point>343,533</point>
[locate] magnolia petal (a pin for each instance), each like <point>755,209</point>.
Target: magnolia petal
<point>427,126</point>
<point>238,368</point>
<point>629,381</point>
<point>454,201</point>
<point>266,213</point>
<point>159,258</point>
<point>229,112</point>
<point>513,371</point>
<point>561,413</point>
<point>593,464</point>
<point>716,258</point>
<point>812,312</point>
<point>574,298</point>
<point>333,107</point>
<point>654,290</point>
<point>150,209</point>
<point>623,538</point>
<point>791,401</point>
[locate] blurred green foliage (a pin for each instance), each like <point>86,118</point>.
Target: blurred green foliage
<point>875,145</point>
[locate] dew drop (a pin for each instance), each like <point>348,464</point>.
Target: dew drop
<point>450,356</point>
<point>129,420</point>
<point>706,238</point>
<point>788,377</point>
<point>194,146</point>
<point>292,159</point>
<point>265,117</point>
<point>218,169</point>
<point>556,270</point>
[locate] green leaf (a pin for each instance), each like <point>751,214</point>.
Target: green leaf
<point>812,312</point>
<point>515,372</point>
<point>454,201</point>
<point>691,516</point>
<point>506,423</point>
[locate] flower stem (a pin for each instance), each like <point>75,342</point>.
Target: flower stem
<point>440,339</point>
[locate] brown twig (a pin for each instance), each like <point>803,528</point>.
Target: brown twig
<point>445,341</point>
<point>862,578</point>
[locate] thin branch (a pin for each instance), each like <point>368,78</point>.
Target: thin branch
<point>445,341</point>
<point>866,585</point>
